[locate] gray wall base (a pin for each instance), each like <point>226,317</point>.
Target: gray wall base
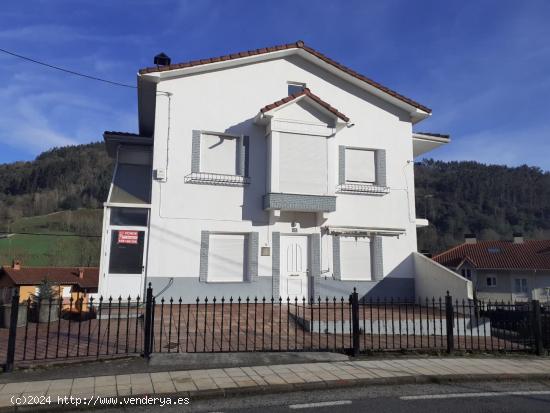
<point>388,287</point>
<point>191,288</point>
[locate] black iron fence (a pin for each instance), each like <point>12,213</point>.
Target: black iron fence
<point>97,328</point>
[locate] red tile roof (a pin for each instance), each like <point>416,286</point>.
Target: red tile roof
<point>297,45</point>
<point>528,255</point>
<point>62,275</point>
<point>305,92</point>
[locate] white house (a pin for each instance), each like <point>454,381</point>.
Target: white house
<point>272,172</point>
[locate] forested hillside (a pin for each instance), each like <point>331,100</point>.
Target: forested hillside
<point>491,201</point>
<point>60,179</point>
<point>457,197</point>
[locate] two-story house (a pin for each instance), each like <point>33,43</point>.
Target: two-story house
<point>271,172</point>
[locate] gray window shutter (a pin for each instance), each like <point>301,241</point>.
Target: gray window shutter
<point>377,258</point>
<point>342,165</point>
<point>276,263</point>
<point>315,255</point>
<point>336,271</point>
<point>381,167</point>
<point>244,142</point>
<point>253,240</point>
<point>203,268</point>
<point>196,152</point>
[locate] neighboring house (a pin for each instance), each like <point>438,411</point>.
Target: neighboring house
<point>272,172</point>
<point>514,270</point>
<point>71,282</point>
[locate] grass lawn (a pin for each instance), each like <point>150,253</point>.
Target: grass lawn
<point>51,250</point>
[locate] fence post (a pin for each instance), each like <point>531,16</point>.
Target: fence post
<point>537,327</point>
<point>147,336</point>
<point>14,315</point>
<point>449,313</point>
<point>355,322</point>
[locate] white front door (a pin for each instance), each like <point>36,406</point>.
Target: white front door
<point>294,267</point>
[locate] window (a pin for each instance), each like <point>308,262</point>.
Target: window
<point>520,285</point>
<point>360,166</point>
<point>303,164</point>
<point>219,154</point>
<point>295,87</point>
<point>227,257</point>
<point>126,252</point>
<point>466,273</point>
<point>491,281</point>
<point>129,216</point>
<point>355,258</point>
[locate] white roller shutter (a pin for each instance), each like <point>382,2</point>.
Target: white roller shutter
<point>355,259</point>
<point>227,257</point>
<point>360,165</point>
<point>303,164</point>
<point>218,154</point>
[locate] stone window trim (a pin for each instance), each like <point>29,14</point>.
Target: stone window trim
<point>197,176</point>
<point>380,187</point>
<point>252,253</point>
<point>377,258</point>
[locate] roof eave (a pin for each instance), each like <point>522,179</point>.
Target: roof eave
<point>416,113</point>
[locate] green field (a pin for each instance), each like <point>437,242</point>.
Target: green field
<point>49,239</point>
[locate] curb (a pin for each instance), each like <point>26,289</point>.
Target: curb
<point>287,388</point>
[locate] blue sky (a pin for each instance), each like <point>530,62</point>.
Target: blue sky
<point>482,66</point>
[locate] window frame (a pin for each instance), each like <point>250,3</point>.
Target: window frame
<point>380,184</point>
<point>245,258</point>
<point>198,175</point>
<point>343,276</point>
<point>297,85</point>
<point>491,281</point>
<point>522,290</point>
<point>375,167</point>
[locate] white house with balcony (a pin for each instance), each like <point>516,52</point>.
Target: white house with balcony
<point>272,172</point>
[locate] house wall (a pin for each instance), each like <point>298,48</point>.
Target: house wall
<point>227,101</point>
<point>537,282</point>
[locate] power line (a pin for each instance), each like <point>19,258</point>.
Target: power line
<point>50,235</point>
<point>72,72</point>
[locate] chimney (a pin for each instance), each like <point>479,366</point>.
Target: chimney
<point>470,238</point>
<point>16,265</point>
<point>81,273</point>
<point>518,238</point>
<point>161,60</point>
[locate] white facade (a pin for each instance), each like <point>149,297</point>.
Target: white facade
<point>242,201</point>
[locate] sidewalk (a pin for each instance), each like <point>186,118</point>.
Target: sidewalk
<point>281,377</point>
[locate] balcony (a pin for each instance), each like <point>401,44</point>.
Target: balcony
<point>299,202</point>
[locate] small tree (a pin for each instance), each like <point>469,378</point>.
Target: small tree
<point>46,291</point>
<point>46,309</point>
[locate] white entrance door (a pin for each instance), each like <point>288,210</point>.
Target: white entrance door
<point>294,267</point>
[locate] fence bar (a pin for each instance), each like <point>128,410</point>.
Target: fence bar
<point>450,318</point>
<point>537,328</point>
<point>355,322</point>
<point>147,336</point>
<point>10,356</point>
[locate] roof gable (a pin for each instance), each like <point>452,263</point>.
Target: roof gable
<point>528,255</point>
<point>298,47</point>
<point>305,96</point>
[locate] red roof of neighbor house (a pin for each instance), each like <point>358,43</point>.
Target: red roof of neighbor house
<point>297,45</point>
<point>507,255</point>
<point>305,92</point>
<point>61,275</point>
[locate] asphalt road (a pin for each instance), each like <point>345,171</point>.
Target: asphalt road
<point>471,397</point>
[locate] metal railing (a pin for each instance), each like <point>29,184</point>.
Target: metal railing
<point>78,328</point>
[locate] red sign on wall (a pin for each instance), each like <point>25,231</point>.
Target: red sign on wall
<point>127,237</point>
